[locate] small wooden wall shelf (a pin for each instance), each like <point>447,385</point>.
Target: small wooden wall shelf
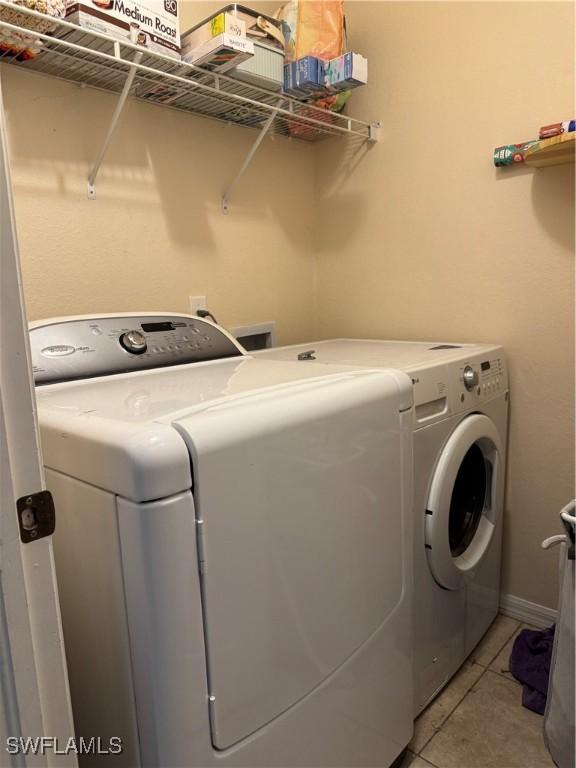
<point>555,151</point>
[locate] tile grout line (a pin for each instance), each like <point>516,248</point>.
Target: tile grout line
<point>451,712</point>
<point>428,761</point>
<point>498,652</point>
<point>470,690</point>
<point>433,765</point>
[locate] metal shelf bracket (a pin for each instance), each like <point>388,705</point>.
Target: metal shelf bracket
<point>265,128</point>
<point>112,127</point>
<point>374,132</point>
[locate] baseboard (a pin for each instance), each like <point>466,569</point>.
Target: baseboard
<point>524,610</point>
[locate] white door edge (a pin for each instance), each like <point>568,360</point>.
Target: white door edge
<point>34,696</point>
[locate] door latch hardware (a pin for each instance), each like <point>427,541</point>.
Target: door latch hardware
<point>36,516</point>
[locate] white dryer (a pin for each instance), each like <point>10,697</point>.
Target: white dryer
<point>232,546</point>
<point>460,433</point>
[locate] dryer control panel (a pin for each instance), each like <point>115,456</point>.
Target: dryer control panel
<point>66,349</point>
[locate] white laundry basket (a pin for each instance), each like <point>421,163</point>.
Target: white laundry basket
<point>559,716</point>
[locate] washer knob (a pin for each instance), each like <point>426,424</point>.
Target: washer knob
<point>134,342</point>
<point>470,377</point>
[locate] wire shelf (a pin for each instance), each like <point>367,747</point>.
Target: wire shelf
<point>90,59</point>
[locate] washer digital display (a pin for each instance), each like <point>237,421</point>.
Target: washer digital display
<point>157,327</point>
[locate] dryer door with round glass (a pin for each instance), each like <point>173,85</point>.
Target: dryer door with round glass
<point>464,500</point>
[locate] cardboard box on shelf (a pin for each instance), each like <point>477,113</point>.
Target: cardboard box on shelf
<point>309,74</point>
<point>236,19</point>
<point>221,53</point>
<point>220,24</point>
<point>260,28</point>
<point>347,71</point>
<point>304,79</point>
<point>289,86</point>
<point>153,24</point>
<point>557,129</point>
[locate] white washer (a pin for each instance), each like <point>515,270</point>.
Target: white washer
<point>232,546</point>
<point>460,431</point>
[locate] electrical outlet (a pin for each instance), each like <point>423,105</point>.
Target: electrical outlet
<point>196,303</point>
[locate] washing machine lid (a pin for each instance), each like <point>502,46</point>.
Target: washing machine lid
<point>115,432</point>
<point>464,501</point>
<point>405,355</point>
<point>301,507</point>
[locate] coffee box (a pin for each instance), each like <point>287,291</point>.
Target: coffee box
<point>153,24</point>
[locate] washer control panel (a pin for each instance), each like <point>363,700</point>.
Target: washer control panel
<point>492,379</point>
<point>134,342</point>
<point>67,349</point>
<point>483,378</point>
<point>470,377</point>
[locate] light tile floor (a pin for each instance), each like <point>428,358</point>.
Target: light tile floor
<point>478,720</point>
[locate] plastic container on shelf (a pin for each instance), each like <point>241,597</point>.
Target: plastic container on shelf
<point>265,69</point>
<point>236,19</point>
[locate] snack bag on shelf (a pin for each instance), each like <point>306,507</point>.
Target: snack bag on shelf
<point>20,44</point>
<point>315,28</point>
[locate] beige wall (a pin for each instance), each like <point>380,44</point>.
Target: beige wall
<point>417,237</point>
<point>420,237</point>
<point>156,233</point>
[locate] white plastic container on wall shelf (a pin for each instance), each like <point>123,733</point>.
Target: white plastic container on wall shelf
<point>264,70</point>
<point>263,67</point>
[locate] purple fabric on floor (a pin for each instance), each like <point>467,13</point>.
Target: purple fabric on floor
<point>530,664</point>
